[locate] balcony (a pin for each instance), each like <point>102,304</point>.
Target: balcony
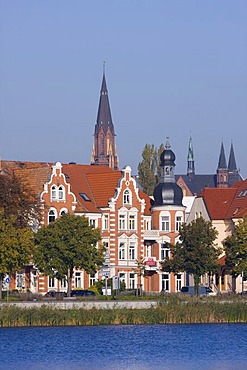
<point>151,235</point>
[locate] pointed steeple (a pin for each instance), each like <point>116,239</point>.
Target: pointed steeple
<point>222,170</point>
<point>232,162</point>
<point>232,168</point>
<point>104,118</point>
<point>104,151</point>
<point>190,159</point>
<point>222,158</point>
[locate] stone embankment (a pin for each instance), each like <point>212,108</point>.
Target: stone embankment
<point>66,305</point>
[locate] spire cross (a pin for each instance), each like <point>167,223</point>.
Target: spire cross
<point>104,67</point>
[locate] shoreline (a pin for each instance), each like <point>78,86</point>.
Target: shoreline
<point>20,314</point>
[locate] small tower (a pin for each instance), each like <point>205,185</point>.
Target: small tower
<point>167,192</point>
<point>104,152</point>
<point>222,170</point>
<point>190,159</point>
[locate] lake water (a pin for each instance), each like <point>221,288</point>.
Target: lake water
<point>140,347</point>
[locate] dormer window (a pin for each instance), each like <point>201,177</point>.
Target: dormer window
<point>127,197</point>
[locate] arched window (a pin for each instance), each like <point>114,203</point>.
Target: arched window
<point>127,197</point>
<point>53,192</point>
<point>63,211</point>
<point>61,193</point>
<point>51,216</point>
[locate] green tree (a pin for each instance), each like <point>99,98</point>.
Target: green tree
<point>68,243</point>
<point>235,247</point>
<point>195,253</point>
<point>16,245</point>
<point>158,168</point>
<point>149,171</point>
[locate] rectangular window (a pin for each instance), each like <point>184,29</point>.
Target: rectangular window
<point>178,222</point>
<point>51,282</point>
<point>132,281</point>
<point>92,279</point>
<point>164,251</point>
<point>78,280</point>
<point>121,251</point>
<point>122,278</point>
<point>20,281</point>
<point>105,223</point>
<point>122,222</point>
<point>148,225</point>
<point>148,250</point>
<point>165,282</point>
<point>178,282</point>
<point>132,222</point>
<point>92,222</point>
<point>132,254</point>
<point>63,283</point>
<point>165,223</point>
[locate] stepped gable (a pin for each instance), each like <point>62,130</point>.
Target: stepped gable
<point>238,207</point>
<point>103,188</point>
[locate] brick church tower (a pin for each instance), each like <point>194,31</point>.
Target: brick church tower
<point>104,152</point>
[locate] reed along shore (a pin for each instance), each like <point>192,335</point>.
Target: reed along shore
<point>168,311</point>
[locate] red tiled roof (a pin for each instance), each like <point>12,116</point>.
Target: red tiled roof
<point>238,207</point>
<point>97,182</point>
<point>226,203</point>
<point>217,201</point>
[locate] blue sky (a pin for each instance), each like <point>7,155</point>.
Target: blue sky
<point>172,67</point>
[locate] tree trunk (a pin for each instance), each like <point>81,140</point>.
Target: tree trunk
<point>1,286</point>
<point>196,282</point>
<point>70,274</point>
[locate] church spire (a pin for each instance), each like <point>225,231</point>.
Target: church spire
<point>190,159</point>
<point>104,151</point>
<point>222,158</point>
<point>232,162</point>
<point>222,170</point>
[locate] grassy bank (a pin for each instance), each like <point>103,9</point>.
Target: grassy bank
<point>168,311</point>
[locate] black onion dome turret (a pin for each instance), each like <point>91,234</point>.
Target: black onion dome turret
<point>167,192</point>
<point>167,157</point>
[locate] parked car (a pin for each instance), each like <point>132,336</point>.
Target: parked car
<point>55,294</point>
<point>82,293</point>
<point>202,291</point>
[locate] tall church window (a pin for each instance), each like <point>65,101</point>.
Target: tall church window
<point>102,145</point>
